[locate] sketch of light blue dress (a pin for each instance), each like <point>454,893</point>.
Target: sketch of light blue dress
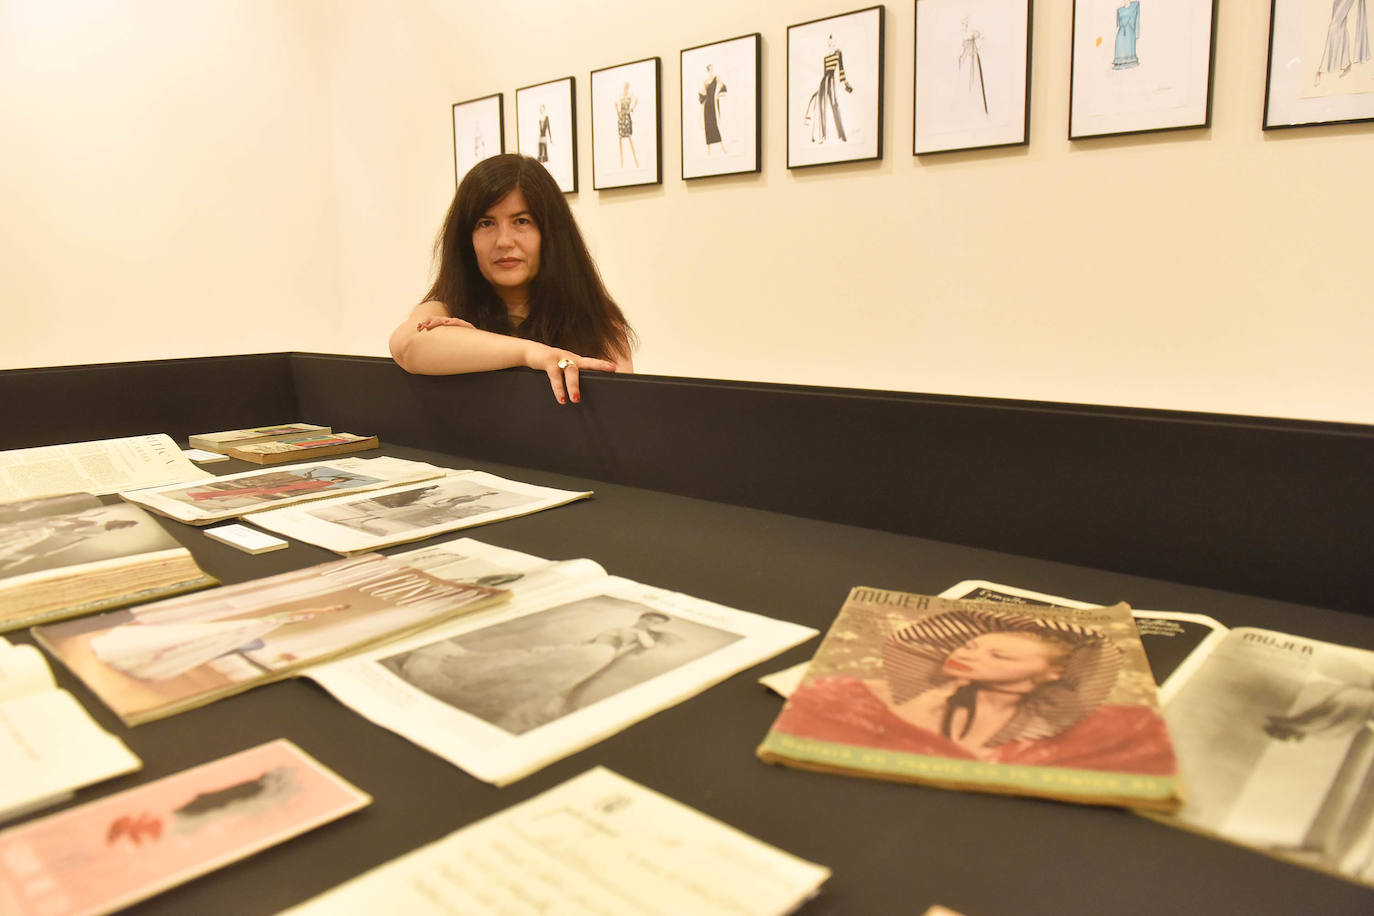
<point>1127,30</point>
<point>1338,55</point>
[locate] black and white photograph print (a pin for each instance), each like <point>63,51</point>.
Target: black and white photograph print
<point>720,107</point>
<point>1321,69</point>
<point>523,673</point>
<point>972,74</point>
<point>1141,66</point>
<point>44,542</point>
<point>835,89</point>
<point>421,506</point>
<point>479,131</point>
<point>546,128</point>
<point>627,128</point>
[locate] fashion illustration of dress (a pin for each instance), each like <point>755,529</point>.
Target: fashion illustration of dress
<point>710,109</point>
<point>969,56</point>
<point>545,138</point>
<point>1127,30</point>
<point>517,689</point>
<point>1338,55</point>
<point>623,124</point>
<point>827,104</point>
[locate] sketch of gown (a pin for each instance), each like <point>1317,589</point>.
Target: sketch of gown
<point>971,56</point>
<point>1127,31</point>
<point>624,124</point>
<point>1338,55</point>
<point>545,138</point>
<point>518,689</point>
<point>823,101</point>
<point>710,110</point>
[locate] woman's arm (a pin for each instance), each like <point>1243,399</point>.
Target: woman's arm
<point>421,345</point>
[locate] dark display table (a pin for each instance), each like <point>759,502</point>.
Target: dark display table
<point>893,848</point>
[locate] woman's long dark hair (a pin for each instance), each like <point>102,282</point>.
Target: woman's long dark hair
<point>569,306</point>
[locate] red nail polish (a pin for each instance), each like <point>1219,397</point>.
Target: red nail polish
<point>577,398</point>
<point>562,400</point>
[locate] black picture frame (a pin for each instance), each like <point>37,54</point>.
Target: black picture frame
<point>1114,91</point>
<point>621,114</point>
<point>945,115</point>
<point>472,122</point>
<point>536,107</point>
<point>816,134</point>
<point>1289,99</point>
<point>734,63</point>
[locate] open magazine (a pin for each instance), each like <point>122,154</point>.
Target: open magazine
<point>233,495</point>
<point>101,467</point>
<point>575,657</point>
<point>162,658</point>
<point>396,515</point>
<point>63,556</point>
<point>1274,734</point>
<point>49,745</point>
<point>1053,702</point>
<point>597,844</point>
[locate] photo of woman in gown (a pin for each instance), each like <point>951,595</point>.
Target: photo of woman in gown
<point>520,689</point>
<point>824,104</point>
<point>996,687</point>
<point>709,95</point>
<point>34,543</point>
<point>624,123</point>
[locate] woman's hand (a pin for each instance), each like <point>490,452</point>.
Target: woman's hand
<point>563,367</point>
<point>426,324</point>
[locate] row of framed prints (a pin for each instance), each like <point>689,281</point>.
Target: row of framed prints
<point>1137,66</point>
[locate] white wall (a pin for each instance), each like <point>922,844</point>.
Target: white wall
<point>1211,269</point>
<point>165,180</point>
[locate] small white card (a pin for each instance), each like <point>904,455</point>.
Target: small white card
<point>201,456</point>
<point>249,540</point>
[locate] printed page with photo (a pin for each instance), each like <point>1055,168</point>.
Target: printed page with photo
<point>509,690</point>
<point>397,515</point>
<point>253,491</point>
<point>469,562</point>
<point>99,467</point>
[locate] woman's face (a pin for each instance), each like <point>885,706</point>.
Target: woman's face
<point>1003,658</point>
<point>506,242</point>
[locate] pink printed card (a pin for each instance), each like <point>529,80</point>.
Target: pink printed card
<point>101,856</point>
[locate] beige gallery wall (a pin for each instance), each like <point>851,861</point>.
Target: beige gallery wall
<point>1218,269</point>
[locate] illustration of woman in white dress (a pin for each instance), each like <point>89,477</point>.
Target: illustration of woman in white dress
<point>158,651</point>
<point>1127,31</point>
<point>1338,56</point>
<point>624,123</point>
<point>709,95</point>
<point>520,689</point>
<point>824,104</point>
<point>970,56</point>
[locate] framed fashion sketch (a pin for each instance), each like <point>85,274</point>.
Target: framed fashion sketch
<point>546,128</point>
<point>1141,65</point>
<point>479,131</point>
<point>627,125</point>
<point>835,89</point>
<point>1321,70</point>
<point>720,107</point>
<point>972,74</point>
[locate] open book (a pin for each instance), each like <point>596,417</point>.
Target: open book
<point>575,657</point>
<point>162,658</point>
<point>49,744</point>
<point>397,515</point>
<point>597,844</point>
<point>62,556</point>
<point>1274,734</point>
<point>252,491</point>
<point>102,467</point>
<point>1049,701</point>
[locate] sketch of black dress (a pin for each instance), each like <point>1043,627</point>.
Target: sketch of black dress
<point>971,56</point>
<point>545,136</point>
<point>1338,56</point>
<point>824,103</point>
<point>1127,31</point>
<point>709,97</point>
